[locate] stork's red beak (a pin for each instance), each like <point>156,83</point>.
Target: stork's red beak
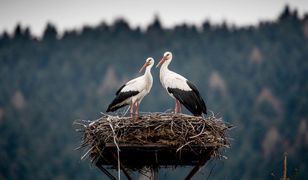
<point>143,67</point>
<point>163,59</point>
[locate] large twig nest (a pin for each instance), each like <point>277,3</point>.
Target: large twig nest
<point>174,130</point>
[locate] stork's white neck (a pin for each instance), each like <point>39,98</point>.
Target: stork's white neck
<point>148,78</point>
<point>164,71</point>
<point>164,67</point>
<point>148,70</point>
<point>147,73</point>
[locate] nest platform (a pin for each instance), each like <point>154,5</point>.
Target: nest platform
<point>153,140</point>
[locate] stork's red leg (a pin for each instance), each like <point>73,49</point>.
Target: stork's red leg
<point>137,109</point>
<point>180,107</point>
<point>132,109</point>
<point>176,107</point>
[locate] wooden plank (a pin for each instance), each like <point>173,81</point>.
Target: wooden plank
<point>151,156</point>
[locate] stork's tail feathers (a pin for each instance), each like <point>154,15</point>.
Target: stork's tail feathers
<point>202,104</point>
<point>113,107</point>
<point>196,105</point>
<point>198,100</point>
<point>192,99</point>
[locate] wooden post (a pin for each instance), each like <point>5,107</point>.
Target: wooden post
<point>284,177</point>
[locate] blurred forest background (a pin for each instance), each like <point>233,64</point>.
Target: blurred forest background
<point>255,77</point>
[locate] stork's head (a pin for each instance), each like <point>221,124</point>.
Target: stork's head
<point>149,62</point>
<point>166,58</point>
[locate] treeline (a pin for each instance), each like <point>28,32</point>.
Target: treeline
<point>254,77</point>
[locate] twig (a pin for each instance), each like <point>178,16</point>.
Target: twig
<point>201,132</point>
<point>85,155</point>
<point>184,145</point>
<point>118,149</point>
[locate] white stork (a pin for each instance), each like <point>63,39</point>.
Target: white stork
<point>132,92</point>
<point>179,88</point>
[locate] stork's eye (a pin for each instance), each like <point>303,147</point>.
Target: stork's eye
<point>167,54</point>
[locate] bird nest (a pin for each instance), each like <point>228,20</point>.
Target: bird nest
<point>165,130</point>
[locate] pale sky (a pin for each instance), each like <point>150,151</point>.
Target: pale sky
<point>68,14</point>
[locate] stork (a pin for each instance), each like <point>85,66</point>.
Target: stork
<point>132,92</point>
<point>179,88</point>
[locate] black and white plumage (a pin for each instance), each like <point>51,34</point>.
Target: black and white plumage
<point>132,92</point>
<point>179,88</point>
